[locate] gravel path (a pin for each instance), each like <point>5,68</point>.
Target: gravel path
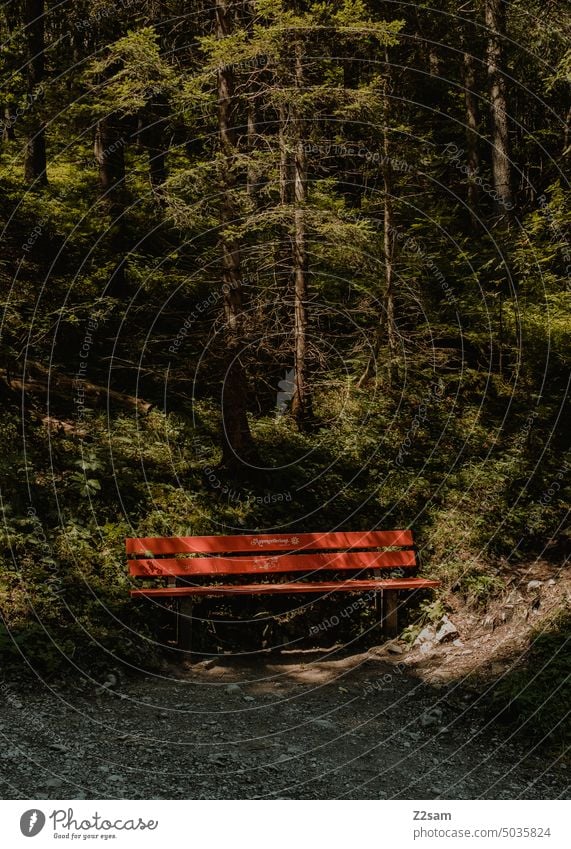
<point>307,727</point>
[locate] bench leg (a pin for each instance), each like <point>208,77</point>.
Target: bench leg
<point>390,612</point>
<point>185,624</point>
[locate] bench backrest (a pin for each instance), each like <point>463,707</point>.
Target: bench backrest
<point>269,553</point>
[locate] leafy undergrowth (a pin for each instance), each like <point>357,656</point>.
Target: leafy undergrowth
<point>70,503</point>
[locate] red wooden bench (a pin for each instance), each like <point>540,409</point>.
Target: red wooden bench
<point>262,564</point>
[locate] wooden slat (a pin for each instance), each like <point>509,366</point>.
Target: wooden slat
<point>268,542</point>
<point>272,564</point>
<point>291,588</point>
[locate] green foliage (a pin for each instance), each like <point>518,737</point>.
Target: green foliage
<point>466,443</point>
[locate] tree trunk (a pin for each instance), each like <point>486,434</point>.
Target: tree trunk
<point>472,121</point>
<point>301,402</point>
<point>8,133</point>
<point>352,184</point>
<point>388,245</point>
<point>567,134</point>
<point>387,316</point>
<point>238,446</point>
<point>35,165</point>
<point>286,166</point>
<point>151,136</point>
<point>109,152</point>
<point>501,164</point>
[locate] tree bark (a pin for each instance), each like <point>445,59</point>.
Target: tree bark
<point>109,152</point>
<point>501,162</point>
<point>238,446</point>
<point>472,122</point>
<point>388,245</point>
<point>35,165</point>
<point>387,316</point>
<point>301,402</point>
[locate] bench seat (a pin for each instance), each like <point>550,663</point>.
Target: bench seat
<point>354,586</point>
<point>317,564</point>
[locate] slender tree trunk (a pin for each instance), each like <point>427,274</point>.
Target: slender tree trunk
<point>387,316</point>
<point>151,136</point>
<point>352,185</point>
<point>109,152</point>
<point>286,166</point>
<point>501,163</point>
<point>8,133</point>
<point>472,122</point>
<point>238,446</point>
<point>388,245</point>
<point>35,166</point>
<point>567,134</point>
<point>301,401</point>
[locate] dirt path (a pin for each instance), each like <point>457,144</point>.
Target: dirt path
<point>302,726</point>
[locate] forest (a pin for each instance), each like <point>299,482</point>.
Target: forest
<point>283,265</point>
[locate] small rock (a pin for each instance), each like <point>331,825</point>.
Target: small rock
<point>551,582</point>
<point>393,648</point>
<point>447,630</point>
<point>249,699</point>
<point>534,585</point>
<point>53,782</point>
<point>458,643</point>
<point>425,636</point>
<point>231,689</point>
